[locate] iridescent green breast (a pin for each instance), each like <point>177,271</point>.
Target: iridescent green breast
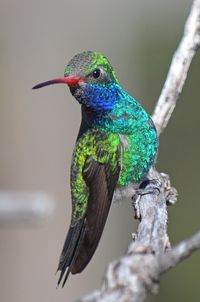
<point>138,137</point>
<point>138,153</point>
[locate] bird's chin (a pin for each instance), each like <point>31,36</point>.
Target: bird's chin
<point>73,89</point>
<point>82,102</point>
<point>78,94</point>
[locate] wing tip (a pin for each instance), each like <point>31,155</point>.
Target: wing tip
<point>64,271</point>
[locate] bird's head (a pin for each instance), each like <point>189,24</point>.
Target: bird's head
<point>91,79</point>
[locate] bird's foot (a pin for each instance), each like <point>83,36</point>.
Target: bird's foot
<point>148,186</point>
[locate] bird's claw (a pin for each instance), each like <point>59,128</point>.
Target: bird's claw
<point>148,186</point>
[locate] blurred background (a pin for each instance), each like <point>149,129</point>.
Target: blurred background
<point>38,130</point>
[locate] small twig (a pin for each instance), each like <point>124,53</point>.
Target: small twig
<point>178,70</point>
<point>25,207</point>
<point>181,251</point>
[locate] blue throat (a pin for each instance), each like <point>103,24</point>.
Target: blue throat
<point>110,109</point>
<point>101,97</point>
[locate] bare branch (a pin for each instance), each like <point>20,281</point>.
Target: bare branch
<point>178,70</point>
<point>137,273</point>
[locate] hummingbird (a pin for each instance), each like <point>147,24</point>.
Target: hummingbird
<point>116,145</point>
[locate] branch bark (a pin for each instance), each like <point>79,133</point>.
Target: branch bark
<point>137,273</point>
<point>138,285</point>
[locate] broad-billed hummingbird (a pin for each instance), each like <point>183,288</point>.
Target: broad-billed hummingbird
<point>116,144</point>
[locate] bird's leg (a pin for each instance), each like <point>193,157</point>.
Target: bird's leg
<point>147,186</point>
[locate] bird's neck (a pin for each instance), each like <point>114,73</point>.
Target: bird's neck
<point>125,118</point>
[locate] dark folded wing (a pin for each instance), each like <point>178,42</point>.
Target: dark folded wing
<point>100,177</point>
<point>101,182</point>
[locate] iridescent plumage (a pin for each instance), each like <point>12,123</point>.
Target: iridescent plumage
<point>117,143</point>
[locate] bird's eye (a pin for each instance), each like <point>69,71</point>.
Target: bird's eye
<point>96,73</point>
